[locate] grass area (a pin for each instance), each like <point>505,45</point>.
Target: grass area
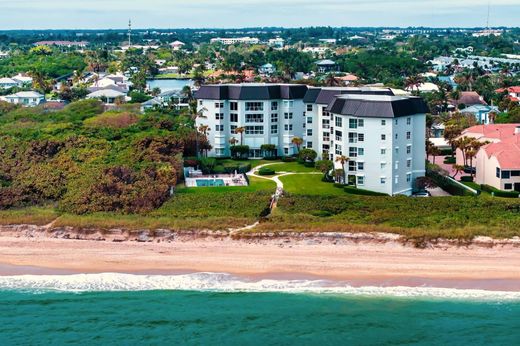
<point>415,218</point>
<point>34,216</point>
<point>309,184</point>
<point>293,167</point>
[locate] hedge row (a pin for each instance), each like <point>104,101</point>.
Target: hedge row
<point>266,171</point>
<point>500,193</point>
<point>355,191</point>
<point>448,185</point>
<point>450,160</point>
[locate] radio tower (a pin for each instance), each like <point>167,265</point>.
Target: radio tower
<point>488,13</point>
<point>129,33</point>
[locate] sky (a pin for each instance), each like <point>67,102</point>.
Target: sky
<point>114,14</point>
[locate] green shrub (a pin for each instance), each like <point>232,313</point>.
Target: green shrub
<point>450,160</point>
<point>499,193</point>
<point>266,171</point>
<point>219,169</point>
<point>339,186</point>
<point>240,151</point>
<point>446,152</point>
<point>448,185</point>
<point>307,155</point>
<point>355,191</point>
<point>467,179</point>
<point>288,159</point>
<point>244,168</point>
<point>309,164</point>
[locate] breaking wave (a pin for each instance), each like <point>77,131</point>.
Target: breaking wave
<point>219,282</point>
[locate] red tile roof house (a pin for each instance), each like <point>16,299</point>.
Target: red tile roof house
<point>497,163</point>
<point>514,92</point>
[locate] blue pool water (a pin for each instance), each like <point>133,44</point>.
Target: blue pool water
<point>210,182</point>
<point>98,315</point>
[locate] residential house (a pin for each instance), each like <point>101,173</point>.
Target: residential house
<point>467,99</point>
<point>25,98</point>
<point>235,40</point>
<point>325,66</point>
<point>267,69</point>
<point>177,45</point>
<point>513,93</point>
<point>497,163</point>
<point>482,113</point>
<point>108,96</point>
<point>276,42</point>
<point>8,83</point>
<point>425,87</point>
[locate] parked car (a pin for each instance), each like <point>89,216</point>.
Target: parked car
<point>470,170</point>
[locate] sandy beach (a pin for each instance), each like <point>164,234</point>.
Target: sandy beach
<point>359,264</point>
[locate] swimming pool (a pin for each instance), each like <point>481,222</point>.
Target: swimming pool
<point>210,182</point>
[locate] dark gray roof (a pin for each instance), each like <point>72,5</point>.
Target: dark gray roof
<point>377,106</point>
<point>251,92</point>
<point>325,95</point>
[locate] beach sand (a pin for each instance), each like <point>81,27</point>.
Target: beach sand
<point>358,264</point>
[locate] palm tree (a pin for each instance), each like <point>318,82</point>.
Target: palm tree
<point>204,129</point>
<point>451,133</point>
<point>298,142</point>
<point>240,131</point>
<point>413,82</point>
<point>233,141</point>
<point>457,169</point>
<point>331,80</point>
<point>343,161</point>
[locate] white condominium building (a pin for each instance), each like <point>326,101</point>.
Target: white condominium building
<point>235,40</point>
<point>382,135</point>
<point>269,114</point>
<point>384,139</point>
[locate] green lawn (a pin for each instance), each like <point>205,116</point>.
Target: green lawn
<point>293,167</point>
<point>309,184</point>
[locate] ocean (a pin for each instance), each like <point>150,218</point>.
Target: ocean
<point>217,309</point>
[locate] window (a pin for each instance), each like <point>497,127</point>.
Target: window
<point>274,129</point>
<point>309,120</point>
<point>397,121</point>
<point>288,127</point>
<point>274,118</point>
<point>383,165</point>
<point>309,145</point>
<point>233,128</point>
<point>274,106</point>
<point>338,150</point>
<point>408,177</point>
<point>219,116</point>
<point>383,151</point>
<point>326,136</point>
<point>254,118</point>
<point>352,137</point>
<point>408,121</point>
<point>352,152</point>
<point>506,174</point>
<point>219,105</point>
<point>233,117</point>
<point>498,172</point>
<point>409,163</point>
<point>219,128</point>
<point>309,132</point>
<point>408,149</point>
<point>515,173</point>
<point>233,106</point>
<point>286,151</point>
<point>254,130</point>
<point>352,124</point>
<point>361,123</point>
<point>361,151</point>
<point>383,122</point>
<point>361,180</point>
<point>361,137</point>
<point>396,136</point>
<point>508,186</point>
<point>352,166</point>
<point>219,151</point>
<point>287,115</point>
<point>254,106</point>
<point>288,104</point>
<point>396,150</point>
<point>396,181</point>
<point>360,166</point>
<point>383,137</point>
<point>396,165</point>
<point>310,108</point>
<point>339,135</point>
<point>201,103</point>
<point>325,123</point>
<point>408,135</point>
<point>383,180</point>
<point>339,122</point>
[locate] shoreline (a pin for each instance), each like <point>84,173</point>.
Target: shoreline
<point>356,260</point>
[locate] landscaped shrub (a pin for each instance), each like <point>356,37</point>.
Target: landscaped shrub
<point>240,151</point>
<point>307,155</point>
<point>207,164</point>
<point>191,162</point>
<point>324,166</point>
<point>450,160</point>
<point>266,171</point>
<point>447,185</point>
<point>467,179</point>
<point>309,164</point>
<point>327,178</point>
<point>288,159</point>
<point>244,168</point>
<point>355,191</point>
<point>499,193</point>
<point>219,169</point>
<point>446,152</point>
<point>339,186</point>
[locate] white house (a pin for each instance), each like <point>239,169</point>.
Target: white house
<point>276,42</point>
<point>26,98</point>
<point>267,69</point>
<point>108,96</point>
<point>8,83</point>
<point>383,138</point>
<point>235,40</point>
<point>177,45</point>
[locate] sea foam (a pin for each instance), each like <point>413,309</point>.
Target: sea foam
<point>220,282</point>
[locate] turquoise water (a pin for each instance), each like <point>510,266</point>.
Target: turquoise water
<point>210,318</point>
